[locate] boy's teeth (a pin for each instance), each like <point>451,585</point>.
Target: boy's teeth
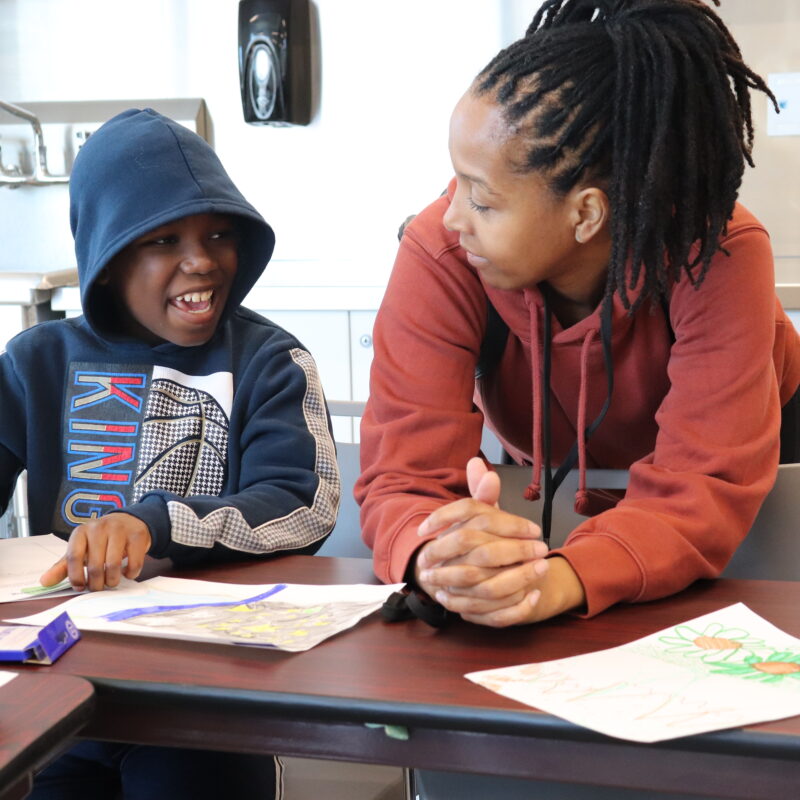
<point>196,297</point>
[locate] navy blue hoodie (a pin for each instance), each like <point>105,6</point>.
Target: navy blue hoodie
<point>221,447</point>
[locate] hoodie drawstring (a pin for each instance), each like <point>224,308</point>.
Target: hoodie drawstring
<point>581,496</point>
<point>578,451</point>
<point>533,491</point>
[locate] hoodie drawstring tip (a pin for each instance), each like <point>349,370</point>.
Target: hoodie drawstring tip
<point>533,492</point>
<point>582,502</point>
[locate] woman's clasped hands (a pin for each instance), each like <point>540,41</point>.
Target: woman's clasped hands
<point>488,565</point>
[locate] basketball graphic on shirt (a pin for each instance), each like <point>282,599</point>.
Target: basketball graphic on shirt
<point>184,441</point>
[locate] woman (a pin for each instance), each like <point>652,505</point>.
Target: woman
<point>594,211</point>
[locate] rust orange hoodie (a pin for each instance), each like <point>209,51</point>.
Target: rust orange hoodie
<point>695,412</point>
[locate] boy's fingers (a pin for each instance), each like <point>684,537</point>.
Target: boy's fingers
<point>76,559</point>
<point>137,549</point>
<point>97,549</point>
<point>113,561</point>
<point>96,555</point>
<point>54,574</point>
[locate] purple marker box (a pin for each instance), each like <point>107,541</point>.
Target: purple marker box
<point>28,644</point>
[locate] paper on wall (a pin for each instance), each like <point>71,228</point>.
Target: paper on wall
<point>722,670</point>
<point>290,617</point>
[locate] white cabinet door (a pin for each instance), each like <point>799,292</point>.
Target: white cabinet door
<point>10,323</point>
<point>361,324</point>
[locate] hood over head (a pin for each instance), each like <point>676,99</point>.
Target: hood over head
<point>141,170</point>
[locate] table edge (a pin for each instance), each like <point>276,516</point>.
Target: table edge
<point>747,741</point>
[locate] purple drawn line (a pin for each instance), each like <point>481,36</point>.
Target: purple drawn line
<point>127,613</point>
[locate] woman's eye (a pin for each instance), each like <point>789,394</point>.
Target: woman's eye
<point>475,207</point>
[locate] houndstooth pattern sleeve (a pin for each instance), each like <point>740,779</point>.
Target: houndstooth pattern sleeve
<point>299,528</point>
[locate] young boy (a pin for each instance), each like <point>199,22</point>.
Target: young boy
<point>167,420</point>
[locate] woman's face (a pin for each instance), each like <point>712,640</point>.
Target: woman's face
<point>516,232</point>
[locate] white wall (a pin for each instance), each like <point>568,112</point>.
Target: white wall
<point>376,152</point>
<point>335,191</point>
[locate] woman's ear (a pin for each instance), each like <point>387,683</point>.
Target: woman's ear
<point>590,213</point>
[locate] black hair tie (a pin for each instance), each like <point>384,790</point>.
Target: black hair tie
<point>415,604</point>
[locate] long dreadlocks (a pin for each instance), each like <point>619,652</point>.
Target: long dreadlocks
<point>649,97</point>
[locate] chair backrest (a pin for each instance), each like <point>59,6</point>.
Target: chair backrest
<point>514,479</point>
<point>345,539</point>
<point>771,550</point>
<point>14,523</point>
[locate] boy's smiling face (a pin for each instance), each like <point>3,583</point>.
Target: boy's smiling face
<point>172,284</point>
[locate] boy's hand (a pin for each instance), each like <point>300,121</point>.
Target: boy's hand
<point>488,565</point>
<point>100,546</point>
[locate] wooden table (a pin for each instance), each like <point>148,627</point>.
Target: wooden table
<point>316,703</point>
<point>38,716</point>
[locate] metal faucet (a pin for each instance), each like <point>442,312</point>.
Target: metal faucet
<point>41,176</point>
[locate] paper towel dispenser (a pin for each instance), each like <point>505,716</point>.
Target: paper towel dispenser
<point>275,71</point>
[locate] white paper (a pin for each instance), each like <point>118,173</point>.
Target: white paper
<point>22,562</point>
<point>290,617</point>
<point>722,670</point>
<point>5,677</point>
